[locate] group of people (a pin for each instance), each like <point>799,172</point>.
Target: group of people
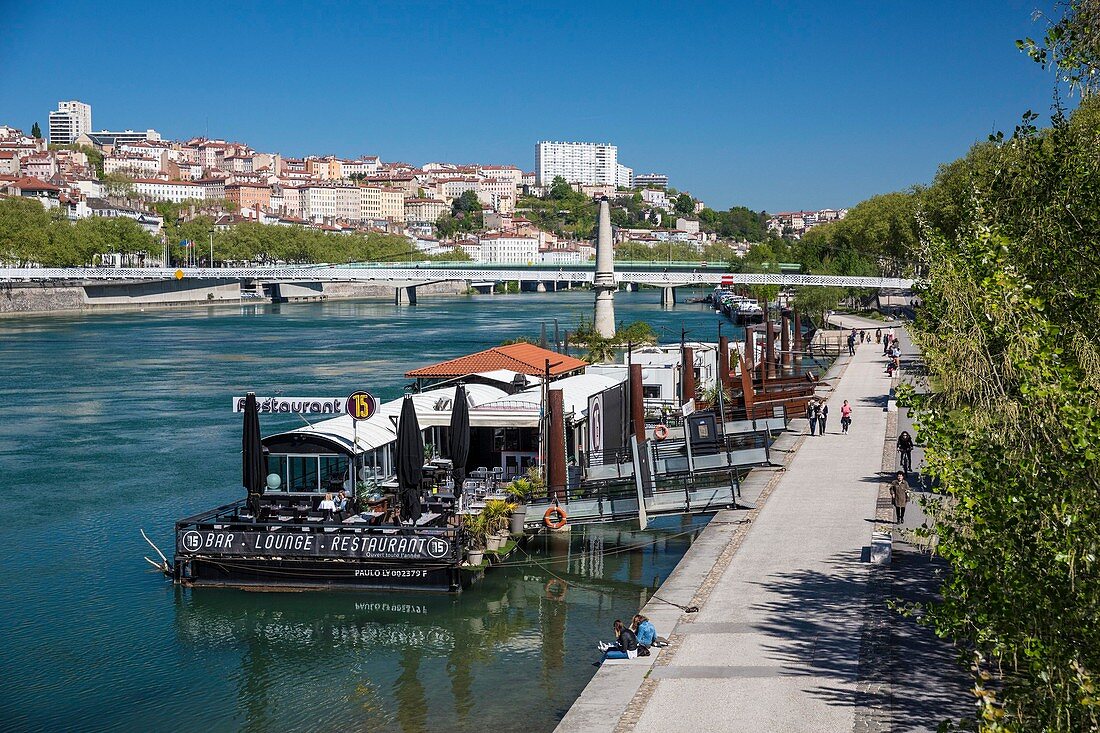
<point>632,641</point>
<point>817,412</point>
<point>893,351</point>
<point>861,336</point>
<point>334,507</point>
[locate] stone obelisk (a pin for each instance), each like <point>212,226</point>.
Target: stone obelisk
<point>604,281</point>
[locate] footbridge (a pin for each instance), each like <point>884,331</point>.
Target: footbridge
<point>664,275</point>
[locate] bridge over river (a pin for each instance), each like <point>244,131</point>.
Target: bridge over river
<point>405,277</point>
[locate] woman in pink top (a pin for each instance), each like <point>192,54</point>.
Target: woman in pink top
<point>845,417</point>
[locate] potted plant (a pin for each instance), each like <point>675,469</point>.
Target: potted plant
<point>497,514</point>
<point>521,491</point>
<point>476,531</point>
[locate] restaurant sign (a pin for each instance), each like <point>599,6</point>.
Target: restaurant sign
<point>292,405</point>
<point>207,542</point>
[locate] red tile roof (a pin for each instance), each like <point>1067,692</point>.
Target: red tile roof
<point>522,358</point>
<point>33,184</point>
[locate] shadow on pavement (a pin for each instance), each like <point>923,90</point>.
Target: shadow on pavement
<point>837,625</point>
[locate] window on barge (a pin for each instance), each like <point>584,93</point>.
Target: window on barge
<point>309,474</point>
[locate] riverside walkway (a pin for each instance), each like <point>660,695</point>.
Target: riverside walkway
<point>793,631</point>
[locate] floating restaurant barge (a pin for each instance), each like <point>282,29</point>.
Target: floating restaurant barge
<point>610,442</point>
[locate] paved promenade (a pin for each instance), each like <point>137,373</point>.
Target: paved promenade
<point>793,631</point>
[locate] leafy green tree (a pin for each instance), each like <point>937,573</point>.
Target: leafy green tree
<point>36,131</point>
<point>684,204</point>
<point>1008,330</point>
<point>467,203</point>
<point>1071,46</point>
<point>560,190</point>
<point>446,226</point>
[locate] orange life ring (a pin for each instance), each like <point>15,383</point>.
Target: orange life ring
<point>560,517</point>
<point>555,589</point>
<point>660,432</point>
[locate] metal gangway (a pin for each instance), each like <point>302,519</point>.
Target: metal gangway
<point>678,474</point>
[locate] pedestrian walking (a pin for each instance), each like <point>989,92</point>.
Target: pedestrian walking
<point>812,414</point>
<point>899,493</point>
<point>862,335</point>
<point>878,335</point>
<point>845,417</point>
<point>851,344</point>
<point>905,448</point>
<point>822,417</point>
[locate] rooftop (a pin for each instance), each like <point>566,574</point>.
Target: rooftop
<point>522,358</point>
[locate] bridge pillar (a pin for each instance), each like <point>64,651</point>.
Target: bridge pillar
<point>405,295</point>
<point>668,296</point>
<point>540,287</point>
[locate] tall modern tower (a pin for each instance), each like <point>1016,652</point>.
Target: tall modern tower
<point>69,121</point>
<point>604,280</point>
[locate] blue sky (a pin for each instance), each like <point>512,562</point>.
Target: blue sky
<point>782,105</point>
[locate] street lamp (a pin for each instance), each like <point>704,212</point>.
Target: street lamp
<point>211,262</point>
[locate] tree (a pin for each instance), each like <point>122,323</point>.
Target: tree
<point>685,204</point>
<point>467,203</point>
<point>1008,332</point>
<point>560,189</point>
<point>36,131</point>
<point>1071,46</point>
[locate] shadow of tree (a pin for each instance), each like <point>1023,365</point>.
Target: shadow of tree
<point>837,625</point>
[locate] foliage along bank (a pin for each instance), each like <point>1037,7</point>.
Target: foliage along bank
<point>31,235</point>
<point>1011,248</point>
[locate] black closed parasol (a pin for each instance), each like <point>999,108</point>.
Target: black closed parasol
<point>460,437</point>
<point>410,460</point>
<point>252,454</point>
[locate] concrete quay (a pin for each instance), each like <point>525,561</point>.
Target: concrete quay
<point>793,632</point>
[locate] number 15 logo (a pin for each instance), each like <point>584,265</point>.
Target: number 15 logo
<point>361,405</point>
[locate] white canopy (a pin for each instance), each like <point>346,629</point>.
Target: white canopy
<point>433,408</point>
<point>524,409</point>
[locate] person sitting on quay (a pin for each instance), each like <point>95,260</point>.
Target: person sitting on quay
<point>625,646</point>
<point>644,631</point>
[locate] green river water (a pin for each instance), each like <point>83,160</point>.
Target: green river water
<point>112,422</point>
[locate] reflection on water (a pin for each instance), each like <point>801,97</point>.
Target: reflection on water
<point>495,656</point>
<point>111,422</point>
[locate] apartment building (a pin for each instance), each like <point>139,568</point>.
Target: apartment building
<point>132,164</point>
<point>330,201</point>
<point>69,121</point>
<point>424,210</point>
<point>576,162</point>
<point>248,195</point>
<point>509,247</point>
<point>393,204</point>
<point>651,180</point>
<point>624,177</point>
<point>176,191</point>
<point>455,186</point>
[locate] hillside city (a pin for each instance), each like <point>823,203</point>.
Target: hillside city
<point>183,192</point>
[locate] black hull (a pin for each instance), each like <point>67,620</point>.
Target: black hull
<point>290,574</point>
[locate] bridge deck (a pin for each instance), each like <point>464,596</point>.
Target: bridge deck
<point>704,275</point>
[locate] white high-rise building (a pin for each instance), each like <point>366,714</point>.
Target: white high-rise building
<point>589,163</point>
<point>69,121</point>
<point>624,177</point>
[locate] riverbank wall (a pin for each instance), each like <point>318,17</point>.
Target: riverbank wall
<point>44,298</point>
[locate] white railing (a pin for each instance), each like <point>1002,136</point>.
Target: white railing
<point>413,274</point>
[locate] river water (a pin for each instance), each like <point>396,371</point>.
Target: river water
<point>112,422</point>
